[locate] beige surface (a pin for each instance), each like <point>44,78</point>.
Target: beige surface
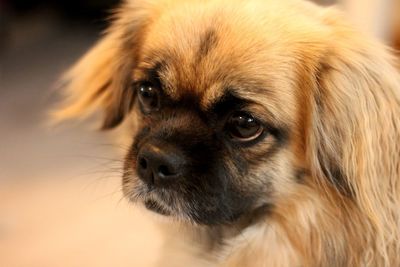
<point>373,16</point>
<point>73,224</point>
<point>60,200</point>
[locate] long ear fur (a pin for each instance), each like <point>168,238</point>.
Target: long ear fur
<point>354,144</point>
<point>101,79</point>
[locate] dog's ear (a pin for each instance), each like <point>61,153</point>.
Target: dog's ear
<point>101,79</point>
<point>354,104</point>
<point>354,123</point>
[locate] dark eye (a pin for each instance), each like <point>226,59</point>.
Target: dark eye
<point>244,127</point>
<point>149,97</point>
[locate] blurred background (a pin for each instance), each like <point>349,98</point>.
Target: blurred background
<point>60,198</point>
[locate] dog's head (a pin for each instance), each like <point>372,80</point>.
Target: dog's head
<point>235,104</point>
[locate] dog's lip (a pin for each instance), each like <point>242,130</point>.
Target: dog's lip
<point>153,205</point>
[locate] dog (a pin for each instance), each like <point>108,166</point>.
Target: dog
<point>269,129</point>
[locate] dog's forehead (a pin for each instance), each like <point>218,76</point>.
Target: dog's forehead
<point>203,63</point>
<point>203,52</point>
<point>187,65</point>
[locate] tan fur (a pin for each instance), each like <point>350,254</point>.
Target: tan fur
<point>336,89</point>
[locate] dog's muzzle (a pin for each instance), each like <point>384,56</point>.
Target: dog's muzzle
<point>160,164</point>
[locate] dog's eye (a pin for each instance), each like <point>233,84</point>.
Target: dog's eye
<point>244,127</point>
<point>149,97</point>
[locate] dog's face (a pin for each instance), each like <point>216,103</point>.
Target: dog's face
<point>207,148</point>
<point>217,102</point>
<point>218,92</point>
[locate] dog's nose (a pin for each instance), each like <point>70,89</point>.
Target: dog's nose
<point>159,165</point>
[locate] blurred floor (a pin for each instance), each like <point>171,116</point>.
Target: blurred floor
<point>60,199</point>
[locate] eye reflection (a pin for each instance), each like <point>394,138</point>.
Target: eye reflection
<point>149,97</point>
<point>244,127</point>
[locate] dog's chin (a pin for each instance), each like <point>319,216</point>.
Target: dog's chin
<point>171,205</point>
<point>157,207</point>
<point>165,213</point>
<point>149,200</point>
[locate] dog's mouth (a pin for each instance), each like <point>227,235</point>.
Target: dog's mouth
<point>156,207</point>
<point>205,205</point>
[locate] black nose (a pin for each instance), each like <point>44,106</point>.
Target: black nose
<point>159,164</point>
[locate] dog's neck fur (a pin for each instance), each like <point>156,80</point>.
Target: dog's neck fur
<point>228,245</point>
<point>286,237</point>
